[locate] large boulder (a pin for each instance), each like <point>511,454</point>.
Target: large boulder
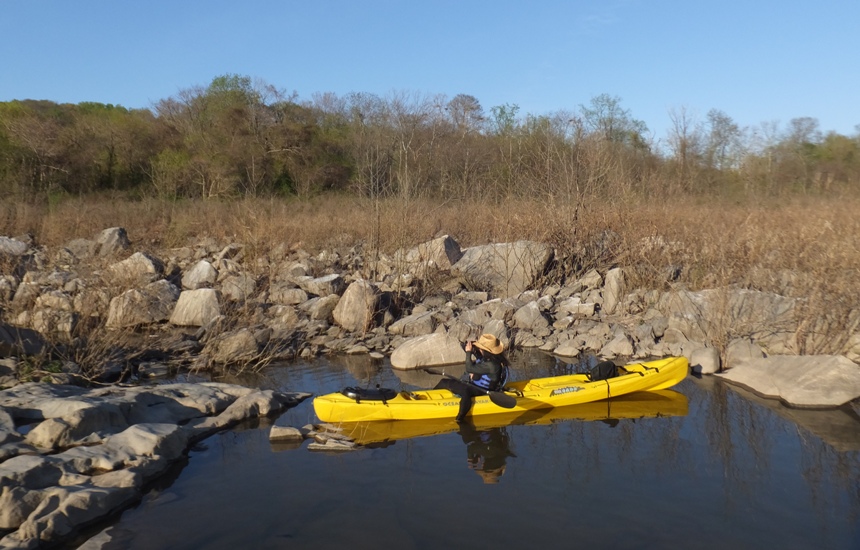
<point>239,346</point>
<point>765,318</point>
<point>287,295</point>
<point>800,381</point>
<point>414,325</point>
<point>705,360</point>
<point>152,304</point>
<point>613,291</point>
<point>196,307</point>
<point>239,287</point>
<point>530,317</point>
<point>574,306</point>
<point>322,286</point>
<point>12,247</point>
<point>439,254</point>
<point>357,308</point>
<point>505,269</point>
<point>202,274</point>
<point>427,351</point>
<point>137,269</point>
<point>321,308</point>
<point>112,240</point>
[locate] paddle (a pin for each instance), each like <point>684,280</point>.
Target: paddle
<point>499,398</point>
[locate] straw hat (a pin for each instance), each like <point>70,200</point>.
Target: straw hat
<point>488,342</point>
<point>491,476</point>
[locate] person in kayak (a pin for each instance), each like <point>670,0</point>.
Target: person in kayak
<point>486,370</point>
<point>487,451</point>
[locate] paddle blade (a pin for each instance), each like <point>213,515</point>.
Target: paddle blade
<point>502,399</point>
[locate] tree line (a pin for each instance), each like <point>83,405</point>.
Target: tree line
<point>241,137</point>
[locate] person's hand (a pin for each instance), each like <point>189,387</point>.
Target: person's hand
<point>469,345</point>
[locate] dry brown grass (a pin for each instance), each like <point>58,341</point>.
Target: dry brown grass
<point>802,247</point>
<point>722,242</point>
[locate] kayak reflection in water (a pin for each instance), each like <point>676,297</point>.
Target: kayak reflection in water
<point>486,451</point>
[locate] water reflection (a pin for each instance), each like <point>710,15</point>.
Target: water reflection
<point>655,404</point>
<point>717,470</point>
<point>487,451</point>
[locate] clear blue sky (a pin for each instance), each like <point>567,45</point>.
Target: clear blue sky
<point>756,60</point>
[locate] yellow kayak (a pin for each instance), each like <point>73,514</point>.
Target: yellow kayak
<point>651,404</point>
<point>538,393</point>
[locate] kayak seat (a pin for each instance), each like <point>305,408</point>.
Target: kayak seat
<point>412,396</point>
<point>378,394</point>
<point>514,391</point>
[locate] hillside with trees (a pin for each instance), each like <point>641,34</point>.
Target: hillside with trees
<point>238,137</point>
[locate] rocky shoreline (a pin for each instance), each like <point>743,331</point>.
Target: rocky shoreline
<point>97,312</point>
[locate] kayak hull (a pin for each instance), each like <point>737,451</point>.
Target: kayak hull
<point>535,394</point>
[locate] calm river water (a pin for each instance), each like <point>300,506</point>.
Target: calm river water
<point>709,467</point>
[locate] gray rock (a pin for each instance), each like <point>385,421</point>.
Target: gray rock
<point>438,254</point>
<point>505,269</point>
<point>152,304</point>
<point>202,274</point>
<point>322,308</point>
<point>137,269</point>
<point>568,348</point>
<point>112,241</point>
<point>740,350</point>
<point>333,445</point>
<point>81,249</point>
<point>768,319</point>
<point>705,360</point>
<point>25,295</point>
<point>253,404</point>
<point>497,328</point>
<point>529,317</point>
<point>232,251</point>
<point>92,302</point>
<point>619,346</point>
<point>8,285</point>
<point>239,287</point>
<point>414,325</point>
<point>800,381</point>
<point>613,290</point>
<point>44,499</point>
<point>233,347</point>
<point>54,322</point>
<point>526,339</point>
<point>357,308</point>
<point>590,281</point>
<point>427,351</point>
<point>500,309</point>
<point>323,286</point>
<point>150,370</point>
<point>12,247</point>
<point>287,295</point>
<point>285,433</point>
<point>196,307</point>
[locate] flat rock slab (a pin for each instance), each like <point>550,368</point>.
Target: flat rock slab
<point>808,381</point>
<point>88,453</point>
